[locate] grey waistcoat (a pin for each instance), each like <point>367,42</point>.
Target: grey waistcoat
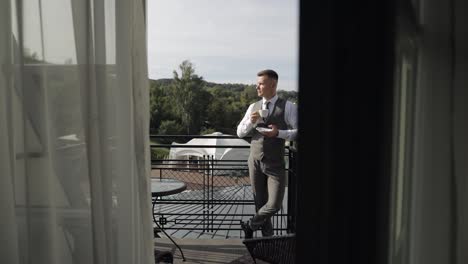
<point>269,149</point>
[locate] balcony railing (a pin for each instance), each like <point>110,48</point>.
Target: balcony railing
<point>218,194</point>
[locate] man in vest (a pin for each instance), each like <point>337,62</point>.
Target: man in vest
<point>266,161</point>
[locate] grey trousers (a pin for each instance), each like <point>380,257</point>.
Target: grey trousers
<point>268,184</point>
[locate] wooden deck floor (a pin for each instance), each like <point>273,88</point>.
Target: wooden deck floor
<point>207,251</point>
<point>225,215</point>
<point>189,221</point>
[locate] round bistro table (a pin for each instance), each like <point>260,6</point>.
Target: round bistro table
<point>163,187</point>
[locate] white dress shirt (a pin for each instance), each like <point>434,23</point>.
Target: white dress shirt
<point>290,116</point>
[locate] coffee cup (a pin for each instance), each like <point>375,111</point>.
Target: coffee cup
<point>263,113</point>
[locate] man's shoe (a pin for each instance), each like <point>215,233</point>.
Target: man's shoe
<point>248,232</point>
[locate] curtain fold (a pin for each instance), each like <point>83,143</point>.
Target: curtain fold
<point>8,234</point>
<point>74,133</point>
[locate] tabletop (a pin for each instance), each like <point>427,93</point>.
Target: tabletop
<point>163,187</point>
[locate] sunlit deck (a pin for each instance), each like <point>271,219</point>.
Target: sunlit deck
<point>189,221</point>
<point>207,251</point>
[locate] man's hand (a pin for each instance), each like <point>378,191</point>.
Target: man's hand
<point>254,117</point>
<point>273,133</point>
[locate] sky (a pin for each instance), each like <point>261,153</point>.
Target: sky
<point>228,41</point>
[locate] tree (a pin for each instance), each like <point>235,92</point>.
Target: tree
<point>198,107</point>
<point>161,104</point>
<point>249,95</point>
<point>170,127</point>
<point>186,91</point>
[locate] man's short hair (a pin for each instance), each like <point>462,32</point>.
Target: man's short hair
<point>270,73</point>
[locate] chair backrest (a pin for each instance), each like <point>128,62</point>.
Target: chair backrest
<point>275,249</point>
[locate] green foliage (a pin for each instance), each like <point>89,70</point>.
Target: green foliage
<point>188,96</point>
<point>248,95</point>
<point>159,153</point>
<point>170,127</point>
<point>187,104</point>
<point>161,105</point>
<point>206,131</point>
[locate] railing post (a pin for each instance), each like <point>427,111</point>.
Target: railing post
<point>291,225</point>
<point>205,179</point>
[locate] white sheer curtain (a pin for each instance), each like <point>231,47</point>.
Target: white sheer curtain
<point>74,143</point>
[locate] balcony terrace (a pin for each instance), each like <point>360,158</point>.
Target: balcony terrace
<point>205,218</point>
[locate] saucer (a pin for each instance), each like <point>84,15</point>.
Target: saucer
<point>263,129</point>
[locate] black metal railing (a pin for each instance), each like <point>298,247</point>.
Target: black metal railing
<point>218,194</point>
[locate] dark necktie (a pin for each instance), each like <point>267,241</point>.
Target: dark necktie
<point>267,107</point>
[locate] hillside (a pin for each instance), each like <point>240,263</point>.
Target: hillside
<point>235,87</point>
